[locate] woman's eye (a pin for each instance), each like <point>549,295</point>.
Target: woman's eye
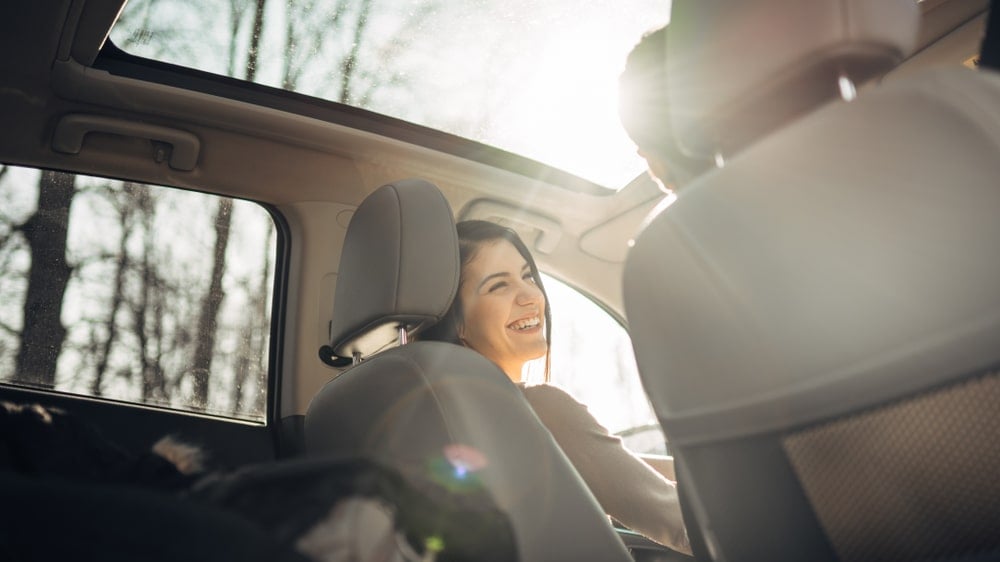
<point>529,278</point>
<point>497,286</point>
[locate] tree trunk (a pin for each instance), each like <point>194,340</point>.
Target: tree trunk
<point>208,319</point>
<point>349,65</point>
<point>257,33</point>
<point>126,211</point>
<point>139,318</point>
<point>149,368</point>
<point>250,364</point>
<point>43,334</point>
<point>154,291</point>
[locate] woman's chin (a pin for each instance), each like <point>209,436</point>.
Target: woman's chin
<point>535,351</point>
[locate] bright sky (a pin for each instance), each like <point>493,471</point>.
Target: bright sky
<point>536,77</point>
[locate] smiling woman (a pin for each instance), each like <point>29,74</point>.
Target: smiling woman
<point>502,312</point>
<point>548,94</point>
<point>503,308</point>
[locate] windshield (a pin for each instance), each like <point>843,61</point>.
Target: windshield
<point>538,78</point>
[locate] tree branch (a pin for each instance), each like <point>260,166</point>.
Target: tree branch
<point>9,329</point>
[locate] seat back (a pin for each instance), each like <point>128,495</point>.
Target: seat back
<point>434,410</point>
<point>817,323</point>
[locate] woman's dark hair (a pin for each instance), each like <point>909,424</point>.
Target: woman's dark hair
<point>473,235</point>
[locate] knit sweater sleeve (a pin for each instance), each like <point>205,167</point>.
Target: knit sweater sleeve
<point>627,488</point>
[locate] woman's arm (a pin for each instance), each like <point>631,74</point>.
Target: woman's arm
<point>628,489</point>
<point>662,464</point>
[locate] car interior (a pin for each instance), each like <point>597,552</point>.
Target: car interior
<point>192,251</point>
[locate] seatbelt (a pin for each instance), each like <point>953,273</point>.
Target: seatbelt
<point>989,52</point>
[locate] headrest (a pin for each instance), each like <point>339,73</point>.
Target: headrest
<point>737,70</point>
<point>399,266</point>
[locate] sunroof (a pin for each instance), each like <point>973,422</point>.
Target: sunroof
<point>538,78</point>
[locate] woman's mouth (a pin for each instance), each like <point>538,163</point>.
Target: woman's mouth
<point>525,324</point>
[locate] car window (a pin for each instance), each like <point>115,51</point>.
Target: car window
<point>592,359</point>
<point>135,292</point>
<point>549,94</point>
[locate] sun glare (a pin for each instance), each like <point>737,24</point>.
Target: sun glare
<point>568,112</point>
<point>536,78</point>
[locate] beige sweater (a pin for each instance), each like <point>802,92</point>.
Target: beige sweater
<point>627,488</point>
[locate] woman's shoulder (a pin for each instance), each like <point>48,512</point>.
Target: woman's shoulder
<point>565,416</point>
<point>547,392</point>
<point>550,401</point>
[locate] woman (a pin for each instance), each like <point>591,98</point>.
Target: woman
<point>502,312</point>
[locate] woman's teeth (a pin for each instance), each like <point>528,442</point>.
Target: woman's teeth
<point>525,324</point>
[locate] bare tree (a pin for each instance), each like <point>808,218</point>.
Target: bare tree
<point>257,33</point>
<point>253,340</point>
<point>147,305</point>
<point>332,44</point>
<point>43,334</point>
<point>308,25</point>
<point>155,381</point>
<point>10,246</point>
<point>125,207</point>
<point>350,62</point>
<point>212,302</point>
<point>380,70</point>
<point>153,28</point>
<point>201,367</point>
<point>237,9</point>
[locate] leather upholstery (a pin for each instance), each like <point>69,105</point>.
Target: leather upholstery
<point>387,278</point>
<point>840,268</point>
<point>738,70</point>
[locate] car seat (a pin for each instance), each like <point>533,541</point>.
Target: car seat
<point>817,321</point>
<point>435,409</point>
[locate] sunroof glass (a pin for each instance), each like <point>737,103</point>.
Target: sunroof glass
<point>538,78</point>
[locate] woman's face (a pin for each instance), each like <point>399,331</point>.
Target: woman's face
<point>504,310</point>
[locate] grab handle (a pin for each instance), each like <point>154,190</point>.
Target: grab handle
<point>71,129</point>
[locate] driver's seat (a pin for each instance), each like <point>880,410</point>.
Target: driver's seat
<point>436,410</point>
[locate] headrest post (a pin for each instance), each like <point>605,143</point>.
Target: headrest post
<point>403,338</point>
<point>356,358</point>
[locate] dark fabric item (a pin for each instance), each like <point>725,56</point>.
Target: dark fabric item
<point>51,519</point>
<point>290,498</point>
<point>57,468</point>
<point>40,441</point>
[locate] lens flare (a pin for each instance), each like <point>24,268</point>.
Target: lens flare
<point>458,466</point>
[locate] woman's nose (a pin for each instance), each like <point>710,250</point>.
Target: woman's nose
<point>529,293</point>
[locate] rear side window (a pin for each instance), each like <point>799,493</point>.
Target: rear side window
<point>135,292</point>
<point>592,359</point>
